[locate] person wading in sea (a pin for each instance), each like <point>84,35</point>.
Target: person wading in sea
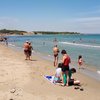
<point>55,52</point>
<point>80,62</point>
<point>30,51</point>
<point>26,50</point>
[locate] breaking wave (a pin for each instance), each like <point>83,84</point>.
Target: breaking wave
<point>83,45</point>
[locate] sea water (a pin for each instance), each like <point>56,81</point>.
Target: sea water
<point>87,45</point>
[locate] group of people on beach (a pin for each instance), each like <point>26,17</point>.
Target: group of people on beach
<point>56,52</point>
<point>4,39</point>
<point>63,67</point>
<point>28,50</point>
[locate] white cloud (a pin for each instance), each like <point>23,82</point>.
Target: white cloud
<point>88,19</point>
<point>85,25</point>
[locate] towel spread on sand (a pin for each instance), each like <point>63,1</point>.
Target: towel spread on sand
<point>49,78</point>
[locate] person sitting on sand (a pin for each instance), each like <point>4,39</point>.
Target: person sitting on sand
<point>26,48</point>
<point>58,73</point>
<point>57,76</point>
<point>55,51</point>
<point>72,81</point>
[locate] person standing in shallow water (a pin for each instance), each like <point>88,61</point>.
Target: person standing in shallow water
<point>80,61</point>
<point>55,52</point>
<point>30,51</point>
<point>55,41</point>
<point>26,50</point>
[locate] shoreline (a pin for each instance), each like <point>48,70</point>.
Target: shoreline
<point>89,62</point>
<point>26,77</point>
<point>90,71</point>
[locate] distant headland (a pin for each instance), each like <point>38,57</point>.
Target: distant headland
<point>21,32</point>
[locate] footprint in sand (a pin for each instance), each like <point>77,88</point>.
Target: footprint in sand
<point>16,92</point>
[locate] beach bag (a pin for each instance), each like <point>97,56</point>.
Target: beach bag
<point>71,82</point>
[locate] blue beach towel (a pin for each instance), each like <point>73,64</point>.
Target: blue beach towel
<point>49,78</point>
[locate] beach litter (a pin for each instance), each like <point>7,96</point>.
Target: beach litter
<point>13,91</point>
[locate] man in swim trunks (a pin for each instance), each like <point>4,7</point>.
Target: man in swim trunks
<point>56,52</point>
<point>30,51</point>
<point>26,49</point>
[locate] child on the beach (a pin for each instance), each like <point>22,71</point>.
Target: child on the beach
<point>58,73</point>
<point>80,61</point>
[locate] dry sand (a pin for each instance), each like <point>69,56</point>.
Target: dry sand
<point>23,80</point>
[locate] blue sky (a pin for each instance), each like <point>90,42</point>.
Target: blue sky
<point>51,15</point>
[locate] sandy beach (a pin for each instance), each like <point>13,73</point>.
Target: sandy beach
<point>23,80</point>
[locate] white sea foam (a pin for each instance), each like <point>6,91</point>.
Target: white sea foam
<point>11,44</point>
<point>83,45</point>
<point>98,71</point>
<point>33,51</point>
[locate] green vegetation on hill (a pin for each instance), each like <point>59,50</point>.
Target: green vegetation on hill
<point>11,32</point>
<point>17,32</point>
<point>44,32</point>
